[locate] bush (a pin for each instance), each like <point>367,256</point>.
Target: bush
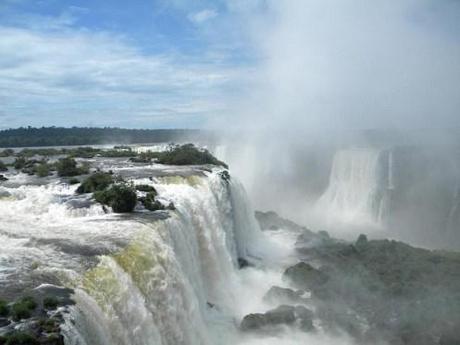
<point>20,338</point>
<point>188,154</point>
<point>4,309</point>
<point>42,169</point>
<point>74,180</point>
<point>146,188</point>
<point>23,308</point>
<point>120,197</point>
<point>50,302</point>
<point>3,166</point>
<point>68,167</point>
<point>150,203</point>
<point>96,182</point>
<point>19,163</point>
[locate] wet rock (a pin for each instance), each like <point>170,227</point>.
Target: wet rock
<point>3,178</point>
<point>287,315</point>
<point>4,194</point>
<point>305,276</point>
<point>284,295</point>
<point>305,317</point>
<point>225,176</point>
<point>243,263</point>
<point>283,315</point>
<point>4,322</point>
<point>272,221</point>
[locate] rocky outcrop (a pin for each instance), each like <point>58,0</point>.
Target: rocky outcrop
<point>304,276</point>
<point>281,295</point>
<point>35,318</point>
<point>284,315</point>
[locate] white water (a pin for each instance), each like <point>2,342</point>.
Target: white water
<point>354,194</point>
<point>165,282</point>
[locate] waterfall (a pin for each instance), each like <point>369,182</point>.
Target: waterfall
<point>162,287</point>
<point>354,193</point>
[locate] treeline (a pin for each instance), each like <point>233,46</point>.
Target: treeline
<point>60,136</point>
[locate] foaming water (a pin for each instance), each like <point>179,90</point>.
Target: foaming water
<point>142,279</point>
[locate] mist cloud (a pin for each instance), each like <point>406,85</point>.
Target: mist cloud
<point>356,64</point>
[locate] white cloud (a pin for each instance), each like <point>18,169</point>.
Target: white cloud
<point>202,16</point>
<point>73,76</point>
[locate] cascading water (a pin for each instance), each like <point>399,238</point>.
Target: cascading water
<point>148,278</point>
<point>356,192</point>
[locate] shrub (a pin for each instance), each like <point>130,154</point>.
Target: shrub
<point>74,180</point>
<point>23,308</point>
<point>3,166</point>
<point>68,167</point>
<point>151,204</point>
<point>120,197</point>
<point>20,338</point>
<point>188,154</point>
<point>146,188</point>
<point>50,302</point>
<point>42,169</point>
<point>19,163</point>
<point>4,309</point>
<point>96,182</point>
<point>49,325</point>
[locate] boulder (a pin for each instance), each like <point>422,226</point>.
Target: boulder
<point>278,294</point>
<point>295,316</point>
<point>305,276</point>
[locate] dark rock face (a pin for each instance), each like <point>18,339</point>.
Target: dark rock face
<point>305,276</point>
<point>286,315</point>
<point>272,221</point>
<point>3,178</point>
<point>243,263</point>
<point>281,295</point>
<point>381,289</point>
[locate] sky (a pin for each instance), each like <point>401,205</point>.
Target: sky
<point>229,63</point>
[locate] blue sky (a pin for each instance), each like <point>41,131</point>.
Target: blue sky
<point>303,64</point>
<point>137,63</point>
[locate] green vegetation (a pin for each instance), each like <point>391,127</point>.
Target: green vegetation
<point>58,136</point>
<point>121,197</point>
<point>28,153</point>
<point>188,154</point>
<point>4,308</point>
<point>19,163</point>
<point>19,338</point>
<point>50,302</point>
<point>96,182</point>
<point>33,325</point>
<point>6,153</point>
<point>150,203</point>
<point>146,188</point>
<point>43,169</point>
<point>73,180</point>
<point>68,167</point>
<point>23,308</point>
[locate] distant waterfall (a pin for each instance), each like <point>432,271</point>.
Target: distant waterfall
<point>356,187</point>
